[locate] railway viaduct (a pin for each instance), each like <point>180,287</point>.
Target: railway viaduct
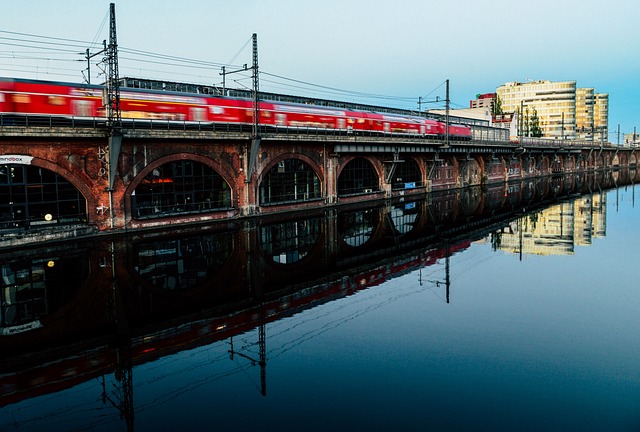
<point>179,175</point>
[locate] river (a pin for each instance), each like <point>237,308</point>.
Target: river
<point>510,308</point>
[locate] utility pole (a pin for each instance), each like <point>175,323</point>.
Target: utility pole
<point>255,129</point>
<point>88,57</point>
<point>224,74</point>
<point>111,102</point>
<point>446,118</point>
<point>255,140</point>
<point>114,116</point>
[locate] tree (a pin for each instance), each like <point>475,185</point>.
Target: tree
<point>496,106</point>
<point>534,124</point>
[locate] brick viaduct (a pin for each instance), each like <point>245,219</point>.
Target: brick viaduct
<point>80,155</point>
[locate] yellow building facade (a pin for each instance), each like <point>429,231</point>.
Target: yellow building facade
<point>564,110</point>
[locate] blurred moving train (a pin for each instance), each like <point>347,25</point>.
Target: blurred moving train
<point>20,97</point>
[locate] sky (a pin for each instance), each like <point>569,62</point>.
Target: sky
<point>380,52</point>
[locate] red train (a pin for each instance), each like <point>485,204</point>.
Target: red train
<point>84,101</point>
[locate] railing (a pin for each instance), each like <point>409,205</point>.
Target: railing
<point>484,135</point>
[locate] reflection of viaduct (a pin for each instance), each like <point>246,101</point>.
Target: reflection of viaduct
<point>292,171</point>
<point>132,300</point>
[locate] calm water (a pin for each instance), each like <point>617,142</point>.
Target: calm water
<point>525,324</point>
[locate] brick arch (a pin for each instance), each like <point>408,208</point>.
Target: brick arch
<point>286,156</point>
<point>375,163</point>
<point>221,169</point>
<point>85,190</point>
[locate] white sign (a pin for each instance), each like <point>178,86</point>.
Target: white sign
<point>15,159</point>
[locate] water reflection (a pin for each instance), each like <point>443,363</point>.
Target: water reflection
<point>75,314</point>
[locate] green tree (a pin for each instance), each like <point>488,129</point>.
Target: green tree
<point>534,124</point>
<point>496,106</point>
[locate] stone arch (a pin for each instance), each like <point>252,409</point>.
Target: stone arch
<point>370,180</point>
<point>280,160</point>
<point>76,182</point>
<point>217,167</point>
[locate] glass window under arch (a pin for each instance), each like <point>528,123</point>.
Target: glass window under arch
<point>358,176</point>
<point>289,180</point>
<point>180,187</point>
<point>31,196</point>
<point>407,175</point>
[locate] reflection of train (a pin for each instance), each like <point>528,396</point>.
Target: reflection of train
<point>80,101</point>
<point>95,361</point>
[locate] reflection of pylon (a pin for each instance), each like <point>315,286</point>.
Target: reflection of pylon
<point>262,353</point>
<point>447,274</point>
<point>121,397</point>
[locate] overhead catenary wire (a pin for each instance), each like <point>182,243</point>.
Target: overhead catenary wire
<point>40,45</point>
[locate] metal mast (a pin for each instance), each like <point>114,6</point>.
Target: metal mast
<point>112,102</point>
<point>255,139</point>
<point>114,118</point>
<point>446,122</point>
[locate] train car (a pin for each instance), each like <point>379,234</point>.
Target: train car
<point>43,98</point>
<point>460,132</point>
<point>54,99</point>
<point>302,116</point>
<point>456,131</point>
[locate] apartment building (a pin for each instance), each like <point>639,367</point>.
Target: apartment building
<point>554,103</point>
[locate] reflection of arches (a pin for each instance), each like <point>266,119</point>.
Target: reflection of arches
<point>404,216</point>
<point>358,176</point>
<point>357,228</point>
<point>35,288</point>
<point>179,185</point>
<point>179,264</point>
<point>36,194</point>
<point>290,242</point>
<point>289,180</point>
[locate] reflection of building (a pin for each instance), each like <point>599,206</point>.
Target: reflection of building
<point>558,229</point>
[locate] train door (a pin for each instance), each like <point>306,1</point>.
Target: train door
<point>342,123</point>
<point>386,127</point>
<point>422,130</point>
<point>198,114</point>
<point>82,108</point>
<point>281,119</point>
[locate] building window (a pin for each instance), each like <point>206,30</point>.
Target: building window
<point>31,196</point>
<point>289,181</point>
<point>180,187</point>
<point>358,176</point>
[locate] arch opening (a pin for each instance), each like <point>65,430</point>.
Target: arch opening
<point>178,187</point>
<point>290,180</point>
<point>32,196</point>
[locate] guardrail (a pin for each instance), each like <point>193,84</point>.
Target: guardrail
<point>483,135</point>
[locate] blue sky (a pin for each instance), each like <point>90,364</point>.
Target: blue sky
<point>400,49</point>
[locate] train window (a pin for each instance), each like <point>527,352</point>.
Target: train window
<point>216,110</point>
<point>21,98</point>
<point>198,114</point>
<point>56,100</point>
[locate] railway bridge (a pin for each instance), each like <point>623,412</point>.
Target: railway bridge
<point>67,178</point>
